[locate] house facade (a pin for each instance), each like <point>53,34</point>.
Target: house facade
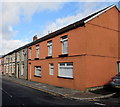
<point>79,56</point>
<point>9,64</point>
<point>15,63</point>
<point>6,65</point>
<point>21,63</point>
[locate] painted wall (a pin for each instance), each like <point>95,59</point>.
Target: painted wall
<point>93,49</point>
<point>102,48</point>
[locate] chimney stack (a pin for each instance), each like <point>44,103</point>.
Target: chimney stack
<point>35,38</point>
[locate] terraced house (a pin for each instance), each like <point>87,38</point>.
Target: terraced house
<point>9,64</point>
<point>21,63</point>
<point>81,55</point>
<point>15,63</point>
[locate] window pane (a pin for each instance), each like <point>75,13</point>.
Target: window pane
<point>50,50</point>
<point>69,64</point>
<point>64,37</point>
<point>62,64</point>
<point>51,69</point>
<point>66,71</point>
<point>65,47</point>
<point>38,71</point>
<point>37,51</point>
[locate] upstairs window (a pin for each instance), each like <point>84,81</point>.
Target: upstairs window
<point>49,48</point>
<point>64,41</point>
<point>37,51</point>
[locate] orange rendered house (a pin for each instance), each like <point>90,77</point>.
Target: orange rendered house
<point>79,56</point>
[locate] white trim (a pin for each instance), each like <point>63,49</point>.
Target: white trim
<point>98,14</point>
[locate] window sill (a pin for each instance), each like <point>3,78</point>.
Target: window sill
<point>48,57</point>
<point>65,77</point>
<point>37,76</point>
<point>63,55</point>
<point>36,58</point>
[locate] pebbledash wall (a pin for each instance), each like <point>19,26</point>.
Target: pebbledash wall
<point>81,57</point>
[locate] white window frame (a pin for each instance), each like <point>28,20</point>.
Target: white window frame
<point>65,65</point>
<point>51,69</point>
<point>37,51</point>
<point>38,67</point>
<point>63,40</point>
<point>49,44</point>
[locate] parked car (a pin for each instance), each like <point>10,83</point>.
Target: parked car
<point>115,83</point>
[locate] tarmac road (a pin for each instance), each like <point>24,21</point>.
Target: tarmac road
<point>113,101</point>
<point>16,94</point>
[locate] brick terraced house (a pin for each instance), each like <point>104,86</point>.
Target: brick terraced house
<point>79,56</point>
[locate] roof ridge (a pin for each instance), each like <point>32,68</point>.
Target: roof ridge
<point>92,16</point>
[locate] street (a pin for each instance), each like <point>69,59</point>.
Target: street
<point>114,100</point>
<point>20,95</point>
<point>16,94</point>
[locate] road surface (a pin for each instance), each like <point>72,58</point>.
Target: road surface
<point>16,94</point>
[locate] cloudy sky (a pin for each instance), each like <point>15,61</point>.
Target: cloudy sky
<point>21,20</point>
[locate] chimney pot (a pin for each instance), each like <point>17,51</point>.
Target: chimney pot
<point>35,38</point>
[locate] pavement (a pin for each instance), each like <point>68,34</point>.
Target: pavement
<point>64,92</point>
